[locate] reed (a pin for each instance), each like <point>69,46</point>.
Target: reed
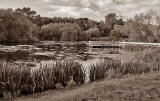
<point>99,70</point>
<point>20,79</point>
<point>16,80</point>
<point>136,47</point>
<point>102,70</point>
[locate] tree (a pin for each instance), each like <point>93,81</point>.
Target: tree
<point>16,27</point>
<point>94,32</point>
<point>27,12</point>
<point>111,19</point>
<point>70,32</point>
<point>85,36</point>
<point>60,31</point>
<point>51,31</point>
<point>104,29</point>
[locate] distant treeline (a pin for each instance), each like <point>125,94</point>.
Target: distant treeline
<point>25,25</point>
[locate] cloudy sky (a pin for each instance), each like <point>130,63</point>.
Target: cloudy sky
<point>94,9</point>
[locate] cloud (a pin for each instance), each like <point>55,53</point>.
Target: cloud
<point>64,11</point>
<point>95,9</point>
<point>46,0</point>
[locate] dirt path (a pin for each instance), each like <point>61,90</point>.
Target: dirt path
<point>135,88</point>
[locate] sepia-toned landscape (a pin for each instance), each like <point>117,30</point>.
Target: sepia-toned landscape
<point>65,51</point>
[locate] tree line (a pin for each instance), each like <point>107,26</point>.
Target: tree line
<point>25,25</point>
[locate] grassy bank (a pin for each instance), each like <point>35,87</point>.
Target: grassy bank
<point>21,80</point>
<point>17,80</point>
<point>143,87</point>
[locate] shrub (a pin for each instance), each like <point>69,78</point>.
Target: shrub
<point>95,32</point>
<point>84,36</point>
<point>70,32</point>
<point>60,31</point>
<point>14,26</point>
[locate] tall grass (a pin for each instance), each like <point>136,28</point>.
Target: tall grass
<point>144,62</point>
<point>99,70</point>
<point>137,47</point>
<point>116,69</point>
<point>20,79</point>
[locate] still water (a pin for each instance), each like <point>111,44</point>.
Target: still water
<point>46,52</point>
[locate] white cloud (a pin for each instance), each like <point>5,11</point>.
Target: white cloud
<point>64,11</point>
<point>46,0</point>
<point>95,9</point>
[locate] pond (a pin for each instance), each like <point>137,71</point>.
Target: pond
<point>46,52</point>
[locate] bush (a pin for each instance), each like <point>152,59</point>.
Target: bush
<point>95,32</point>
<point>51,31</point>
<point>60,31</point>
<point>14,26</point>
<point>84,36</point>
<point>70,32</point>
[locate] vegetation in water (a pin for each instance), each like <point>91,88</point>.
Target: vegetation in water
<point>19,80</point>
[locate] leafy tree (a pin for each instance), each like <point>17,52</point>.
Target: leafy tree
<point>94,32</point>
<point>85,36</point>
<point>27,12</point>
<point>60,31</point>
<point>15,26</point>
<point>51,31</point>
<point>104,29</point>
<point>70,32</point>
<point>111,19</point>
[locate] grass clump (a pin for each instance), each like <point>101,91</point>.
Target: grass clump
<point>99,70</point>
<point>116,69</point>
<point>136,47</point>
<point>150,56</point>
<point>17,80</point>
<point>134,68</point>
<point>13,78</point>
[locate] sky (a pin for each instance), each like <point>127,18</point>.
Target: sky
<point>94,9</point>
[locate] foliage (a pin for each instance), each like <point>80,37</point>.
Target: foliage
<point>60,31</point>
<point>51,32</point>
<point>85,36</point>
<point>15,26</point>
<point>70,32</point>
<point>95,32</point>
<point>24,24</point>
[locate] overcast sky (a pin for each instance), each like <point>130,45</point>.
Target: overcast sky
<point>95,9</point>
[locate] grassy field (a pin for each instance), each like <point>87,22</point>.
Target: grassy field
<point>145,87</point>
